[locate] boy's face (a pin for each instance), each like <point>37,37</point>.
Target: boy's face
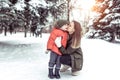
<point>65,27</point>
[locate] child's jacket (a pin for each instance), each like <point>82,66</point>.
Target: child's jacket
<point>51,41</point>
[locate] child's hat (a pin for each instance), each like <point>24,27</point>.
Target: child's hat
<point>60,23</point>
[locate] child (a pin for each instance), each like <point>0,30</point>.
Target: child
<point>58,30</point>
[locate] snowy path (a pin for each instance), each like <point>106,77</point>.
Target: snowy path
<point>24,59</point>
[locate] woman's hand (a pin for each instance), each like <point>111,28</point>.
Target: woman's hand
<point>58,41</point>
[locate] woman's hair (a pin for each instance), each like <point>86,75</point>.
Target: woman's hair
<point>60,23</point>
<point>76,37</point>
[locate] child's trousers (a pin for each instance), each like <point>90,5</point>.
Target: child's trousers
<point>54,60</point>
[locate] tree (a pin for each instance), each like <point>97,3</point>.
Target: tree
<point>13,1</point>
<point>58,8</point>
<point>4,16</point>
<point>43,12</point>
<point>31,15</point>
<point>26,0</point>
<point>106,24</point>
<point>27,16</point>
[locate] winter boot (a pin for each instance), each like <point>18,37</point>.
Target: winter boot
<point>51,75</point>
<point>64,68</point>
<point>57,75</point>
<point>75,73</point>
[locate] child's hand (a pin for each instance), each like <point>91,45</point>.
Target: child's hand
<point>58,41</point>
<point>47,51</point>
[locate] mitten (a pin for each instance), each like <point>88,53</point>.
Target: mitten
<point>58,41</point>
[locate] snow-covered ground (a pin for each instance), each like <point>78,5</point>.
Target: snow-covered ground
<point>25,59</point>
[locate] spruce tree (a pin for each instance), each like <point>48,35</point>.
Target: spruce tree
<point>106,24</point>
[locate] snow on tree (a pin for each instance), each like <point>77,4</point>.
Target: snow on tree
<point>106,24</point>
<point>57,8</point>
<point>31,13</point>
<point>13,1</point>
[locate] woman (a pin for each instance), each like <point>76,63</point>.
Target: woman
<point>72,54</point>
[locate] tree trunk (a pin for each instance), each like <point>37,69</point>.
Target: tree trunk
<point>25,31</point>
<point>5,31</point>
<point>68,10</point>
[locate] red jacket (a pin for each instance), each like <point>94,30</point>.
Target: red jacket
<point>51,41</point>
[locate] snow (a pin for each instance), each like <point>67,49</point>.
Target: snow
<point>36,3</point>
<point>20,5</point>
<point>117,21</point>
<point>25,59</point>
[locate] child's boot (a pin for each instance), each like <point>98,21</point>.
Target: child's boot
<point>57,75</point>
<point>51,75</point>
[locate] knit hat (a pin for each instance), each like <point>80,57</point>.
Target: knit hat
<point>60,23</point>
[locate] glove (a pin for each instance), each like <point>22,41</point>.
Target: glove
<point>58,41</point>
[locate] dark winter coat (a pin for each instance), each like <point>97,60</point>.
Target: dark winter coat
<point>76,56</point>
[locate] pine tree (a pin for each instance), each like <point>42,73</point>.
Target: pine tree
<point>106,25</point>
<point>26,0</point>
<point>30,15</point>
<point>13,1</point>
<point>57,8</point>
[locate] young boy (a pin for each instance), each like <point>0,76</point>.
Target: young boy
<point>59,30</point>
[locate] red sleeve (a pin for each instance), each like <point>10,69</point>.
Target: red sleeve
<point>51,40</point>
